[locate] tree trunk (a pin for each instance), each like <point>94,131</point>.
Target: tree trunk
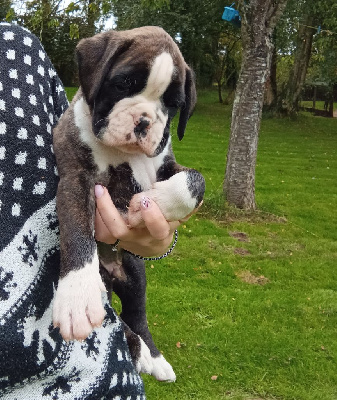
<point>330,110</point>
<point>259,18</point>
<point>301,62</point>
<point>219,91</point>
<point>314,98</point>
<point>246,115</point>
<point>270,94</point>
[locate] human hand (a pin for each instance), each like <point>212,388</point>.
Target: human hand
<point>152,239</point>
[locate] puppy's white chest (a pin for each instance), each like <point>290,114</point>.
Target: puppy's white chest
<point>143,171</point>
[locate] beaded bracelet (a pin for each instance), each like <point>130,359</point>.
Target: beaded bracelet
<point>169,251</point>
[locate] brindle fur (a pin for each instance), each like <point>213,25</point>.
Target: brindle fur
<point>100,59</point>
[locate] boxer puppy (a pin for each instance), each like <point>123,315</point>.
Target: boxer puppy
<point>116,132</point>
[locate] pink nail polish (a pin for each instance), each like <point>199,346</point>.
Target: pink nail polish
<point>145,202</point>
<point>99,191</point>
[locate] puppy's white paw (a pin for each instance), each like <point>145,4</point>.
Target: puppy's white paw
<point>174,196</point>
<point>177,197</point>
<point>155,366</point>
<point>162,370</point>
<point>78,307</point>
<point>144,362</point>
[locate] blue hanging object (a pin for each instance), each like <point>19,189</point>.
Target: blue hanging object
<point>232,15</point>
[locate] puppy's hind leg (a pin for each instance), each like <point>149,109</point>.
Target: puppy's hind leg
<point>140,353</point>
<point>131,289</point>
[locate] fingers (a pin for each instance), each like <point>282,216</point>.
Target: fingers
<point>102,233</point>
<point>150,240</point>
<point>154,220</point>
<point>108,213</point>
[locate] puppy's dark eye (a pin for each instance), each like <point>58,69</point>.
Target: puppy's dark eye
<point>121,88</point>
<point>122,85</point>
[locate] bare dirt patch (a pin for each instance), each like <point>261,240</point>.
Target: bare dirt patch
<point>240,236</point>
<point>241,252</point>
<point>248,277</point>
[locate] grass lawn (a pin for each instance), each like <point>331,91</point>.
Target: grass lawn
<point>246,305</point>
<point>309,103</point>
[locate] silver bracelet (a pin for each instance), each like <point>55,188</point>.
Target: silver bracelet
<point>169,251</point>
<point>115,245</point>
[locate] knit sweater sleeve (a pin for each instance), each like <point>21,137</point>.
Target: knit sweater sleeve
<point>35,362</point>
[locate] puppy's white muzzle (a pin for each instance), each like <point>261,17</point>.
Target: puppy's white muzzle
<point>135,125</point>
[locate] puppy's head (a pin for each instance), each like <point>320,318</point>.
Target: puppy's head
<point>134,83</point>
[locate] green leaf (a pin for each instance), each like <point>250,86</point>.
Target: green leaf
<point>72,7</point>
<point>155,4</point>
<point>74,31</point>
<point>10,15</point>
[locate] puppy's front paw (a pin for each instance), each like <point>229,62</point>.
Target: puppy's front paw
<point>180,195</point>
<point>78,307</point>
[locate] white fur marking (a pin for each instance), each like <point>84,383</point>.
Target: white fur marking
<point>173,197</point>
<point>160,77</point>
<point>156,366</point>
<point>78,304</point>
<point>162,370</point>
<point>144,362</point>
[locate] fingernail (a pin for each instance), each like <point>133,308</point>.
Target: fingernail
<point>145,202</point>
<point>99,191</point>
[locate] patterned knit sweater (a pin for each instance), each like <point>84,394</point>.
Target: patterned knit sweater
<point>35,363</point>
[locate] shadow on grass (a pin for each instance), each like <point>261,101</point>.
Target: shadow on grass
<point>217,209</point>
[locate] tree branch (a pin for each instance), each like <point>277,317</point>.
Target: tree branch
<point>275,10</point>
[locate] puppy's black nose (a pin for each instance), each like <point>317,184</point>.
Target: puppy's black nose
<point>140,129</point>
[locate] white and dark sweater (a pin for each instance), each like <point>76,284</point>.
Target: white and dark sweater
<point>35,363</point>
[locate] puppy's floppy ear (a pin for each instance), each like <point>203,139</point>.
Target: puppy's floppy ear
<point>95,56</point>
<point>190,101</point>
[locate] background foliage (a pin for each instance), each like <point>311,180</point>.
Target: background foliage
<point>209,44</point>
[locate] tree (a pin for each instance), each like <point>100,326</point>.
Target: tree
<point>322,72</point>
<point>226,59</point>
<point>5,8</point>
<point>259,18</point>
<point>302,57</point>
<point>196,25</point>
<point>270,95</point>
<point>305,43</point>
<point>60,27</point>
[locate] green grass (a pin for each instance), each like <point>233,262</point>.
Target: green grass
<point>271,341</point>
<point>71,91</point>
<point>308,103</point>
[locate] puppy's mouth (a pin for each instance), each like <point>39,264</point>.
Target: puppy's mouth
<point>142,136</point>
<point>134,125</point>
<point>131,148</point>
<point>136,142</point>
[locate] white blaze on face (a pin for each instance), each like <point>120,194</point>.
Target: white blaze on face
<point>128,112</point>
<point>159,78</point>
